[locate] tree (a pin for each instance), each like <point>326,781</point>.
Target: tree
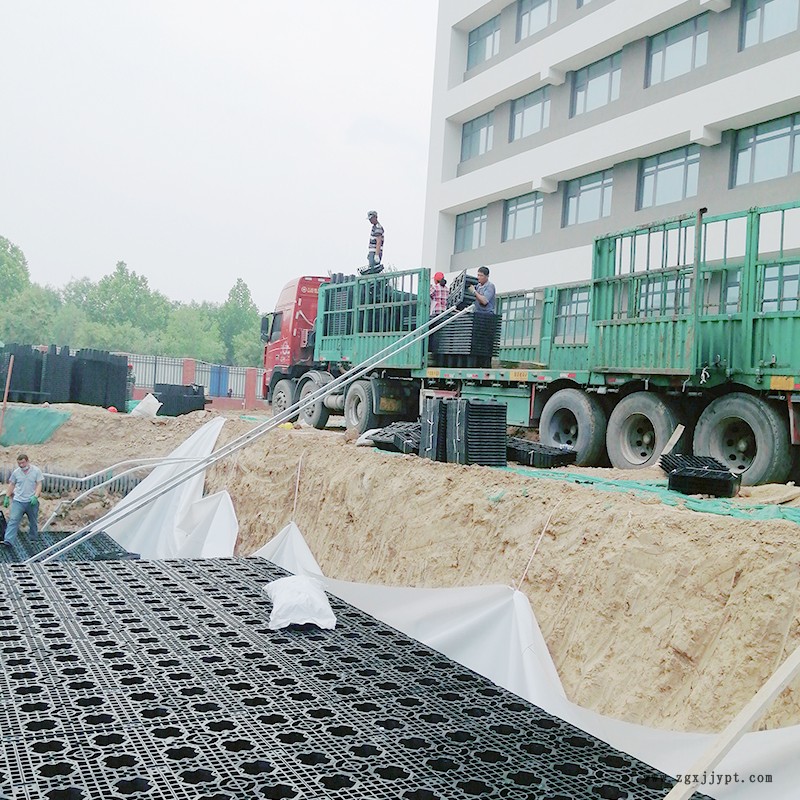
<point>14,274</point>
<point>29,318</point>
<point>125,297</point>
<point>192,332</point>
<point>238,314</point>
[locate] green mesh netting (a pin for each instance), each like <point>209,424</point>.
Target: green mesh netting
<point>34,425</point>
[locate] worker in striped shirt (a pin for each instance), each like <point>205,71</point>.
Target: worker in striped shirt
<point>439,293</point>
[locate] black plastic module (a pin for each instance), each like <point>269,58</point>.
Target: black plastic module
<point>536,454</point>
<point>433,429</point>
<point>161,680</point>
<point>476,432</point>
<point>399,437</point>
<point>100,547</point>
<point>699,475</point>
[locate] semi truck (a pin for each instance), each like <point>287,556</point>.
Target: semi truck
<point>692,321</point>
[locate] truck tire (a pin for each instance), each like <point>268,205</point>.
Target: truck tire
<point>315,414</point>
<point>638,429</point>
<point>283,397</point>
<point>576,419</point>
<point>358,413</point>
<point>748,435</point>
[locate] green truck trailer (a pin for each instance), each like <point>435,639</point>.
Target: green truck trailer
<point>691,321</point>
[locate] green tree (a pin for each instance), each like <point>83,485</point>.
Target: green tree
<point>28,318</point>
<point>125,297</point>
<point>192,332</point>
<point>14,274</point>
<point>238,314</point>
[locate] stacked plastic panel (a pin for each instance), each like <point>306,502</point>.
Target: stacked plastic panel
<point>26,374</point>
<point>468,341</point>
<point>699,475</point>
<point>177,399</point>
<point>459,294</point>
<point>433,430</point>
<point>338,320</point>
<point>399,437</point>
<point>101,547</point>
<point>57,374</point>
<point>162,680</point>
<point>99,379</point>
<point>476,432</point>
<point>536,454</point>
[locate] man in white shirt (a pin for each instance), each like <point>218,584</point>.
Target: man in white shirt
<point>25,486</point>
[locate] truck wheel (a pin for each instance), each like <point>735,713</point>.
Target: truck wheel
<point>358,413</point>
<point>638,429</point>
<point>315,414</point>
<point>748,435</point>
<point>283,397</point>
<point>572,417</point>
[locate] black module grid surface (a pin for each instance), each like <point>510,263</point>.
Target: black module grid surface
<point>141,679</point>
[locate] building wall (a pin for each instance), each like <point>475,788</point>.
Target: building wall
<point>736,88</point>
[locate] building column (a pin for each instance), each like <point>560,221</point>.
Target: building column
<point>189,371</point>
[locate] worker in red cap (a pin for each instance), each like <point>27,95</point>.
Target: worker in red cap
<point>439,292</point>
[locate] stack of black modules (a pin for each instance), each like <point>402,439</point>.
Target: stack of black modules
<point>100,547</point>
<point>57,374</point>
<point>469,341</point>
<point>700,475</point>
<point>536,454</point>
<point>338,320</point>
<point>162,680</point>
<point>399,437</point>
<point>26,374</point>
<point>177,399</point>
<point>99,379</point>
<point>459,295</point>
<point>476,432</point>
<point>433,430</point>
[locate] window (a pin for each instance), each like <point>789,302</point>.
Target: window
<point>767,151</point>
<point>588,198</point>
<point>582,3</point>
<point>669,177</point>
<point>471,230</point>
<point>781,288</point>
<point>534,16</point>
<point>522,216</point>
<point>277,322</point>
<point>764,20</point>
<point>477,136</point>
<point>678,50</point>
<point>530,114</point>
<point>484,42</point>
<point>596,85</point>
<point>572,318</point>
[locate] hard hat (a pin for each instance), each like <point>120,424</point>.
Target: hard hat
<point>372,214</point>
<point>438,276</point>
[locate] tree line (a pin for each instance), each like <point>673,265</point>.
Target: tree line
<point>121,312</point>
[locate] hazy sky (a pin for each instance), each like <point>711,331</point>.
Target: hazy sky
<point>204,140</point>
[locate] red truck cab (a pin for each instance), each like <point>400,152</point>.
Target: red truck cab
<point>288,332</point>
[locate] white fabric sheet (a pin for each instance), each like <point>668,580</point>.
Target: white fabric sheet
<point>180,523</point>
<point>492,630</point>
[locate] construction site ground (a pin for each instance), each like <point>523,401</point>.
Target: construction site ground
<point>653,613</point>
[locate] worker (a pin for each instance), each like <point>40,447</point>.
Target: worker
<point>484,292</point>
<point>130,382</point>
<point>376,239</point>
<point>25,486</point>
<point>439,293</point>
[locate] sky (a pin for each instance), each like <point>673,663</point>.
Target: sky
<point>201,141</point>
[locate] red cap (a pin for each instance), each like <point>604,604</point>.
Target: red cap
<point>438,276</point>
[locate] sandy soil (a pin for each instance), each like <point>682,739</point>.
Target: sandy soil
<point>653,613</point>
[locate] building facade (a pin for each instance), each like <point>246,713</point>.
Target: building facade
<point>555,121</point>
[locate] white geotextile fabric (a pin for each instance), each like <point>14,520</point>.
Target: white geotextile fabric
<point>180,523</point>
<point>492,630</point>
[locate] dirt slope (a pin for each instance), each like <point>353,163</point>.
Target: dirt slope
<point>653,614</point>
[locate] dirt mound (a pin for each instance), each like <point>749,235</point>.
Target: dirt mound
<point>653,614</point>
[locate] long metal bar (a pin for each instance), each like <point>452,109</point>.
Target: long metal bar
<point>411,338</point>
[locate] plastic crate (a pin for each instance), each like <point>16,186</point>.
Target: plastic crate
<point>699,480</point>
<point>674,461</point>
<point>536,454</point>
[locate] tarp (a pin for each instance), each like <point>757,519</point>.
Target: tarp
<point>31,425</point>
<point>180,523</point>
<point>492,630</point>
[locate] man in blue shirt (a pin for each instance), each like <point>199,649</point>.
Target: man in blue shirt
<point>484,292</point>
<point>25,484</point>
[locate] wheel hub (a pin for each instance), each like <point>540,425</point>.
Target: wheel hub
<point>736,446</point>
<point>638,439</point>
<point>564,428</point>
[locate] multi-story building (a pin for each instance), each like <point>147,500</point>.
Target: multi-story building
<point>555,121</point>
